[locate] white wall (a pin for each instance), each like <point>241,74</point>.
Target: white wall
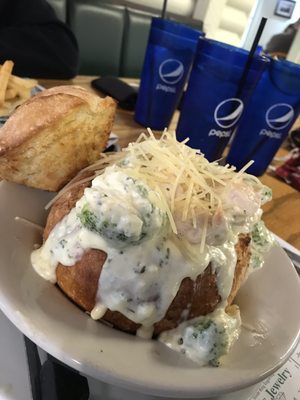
<point>275,24</point>
<point>224,20</point>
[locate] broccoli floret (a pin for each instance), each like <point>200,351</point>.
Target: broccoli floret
<point>261,242</point>
<point>102,226</point>
<point>94,223</point>
<point>103,211</point>
<point>259,235</point>
<point>89,219</point>
<point>266,194</point>
<point>211,337</point>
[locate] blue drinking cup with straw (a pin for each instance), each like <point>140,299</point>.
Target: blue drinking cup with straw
<point>221,82</point>
<point>169,55</point>
<point>268,117</point>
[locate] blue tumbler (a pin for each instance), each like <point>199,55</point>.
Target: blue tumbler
<point>269,115</point>
<point>221,81</point>
<point>169,56</point>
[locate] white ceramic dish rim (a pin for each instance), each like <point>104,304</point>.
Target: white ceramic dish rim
<point>41,312</point>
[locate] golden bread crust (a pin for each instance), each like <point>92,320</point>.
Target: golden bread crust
<point>52,136</point>
<point>243,257</point>
<point>80,281</point>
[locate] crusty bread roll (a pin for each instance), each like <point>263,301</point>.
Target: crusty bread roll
<point>55,134</point>
<point>80,281</point>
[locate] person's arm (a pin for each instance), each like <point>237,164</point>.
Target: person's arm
<point>39,44</point>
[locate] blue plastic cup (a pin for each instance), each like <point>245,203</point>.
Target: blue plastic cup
<point>220,84</point>
<point>169,56</point>
<point>269,115</point>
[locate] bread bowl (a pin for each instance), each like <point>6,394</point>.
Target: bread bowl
<point>157,241</point>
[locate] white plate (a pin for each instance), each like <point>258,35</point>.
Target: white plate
<point>269,304</point>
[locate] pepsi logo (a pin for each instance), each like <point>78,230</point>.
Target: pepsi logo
<point>279,116</point>
<point>228,112</point>
<point>171,71</point>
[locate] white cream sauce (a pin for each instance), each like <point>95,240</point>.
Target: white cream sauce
<point>261,242</point>
<point>146,261</point>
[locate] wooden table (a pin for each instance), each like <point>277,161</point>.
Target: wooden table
<point>282,215</point>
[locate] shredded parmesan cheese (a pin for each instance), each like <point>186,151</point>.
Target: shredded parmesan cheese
<point>192,180</point>
<point>188,185</point>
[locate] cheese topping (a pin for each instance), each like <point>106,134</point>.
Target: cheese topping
<point>161,212</point>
